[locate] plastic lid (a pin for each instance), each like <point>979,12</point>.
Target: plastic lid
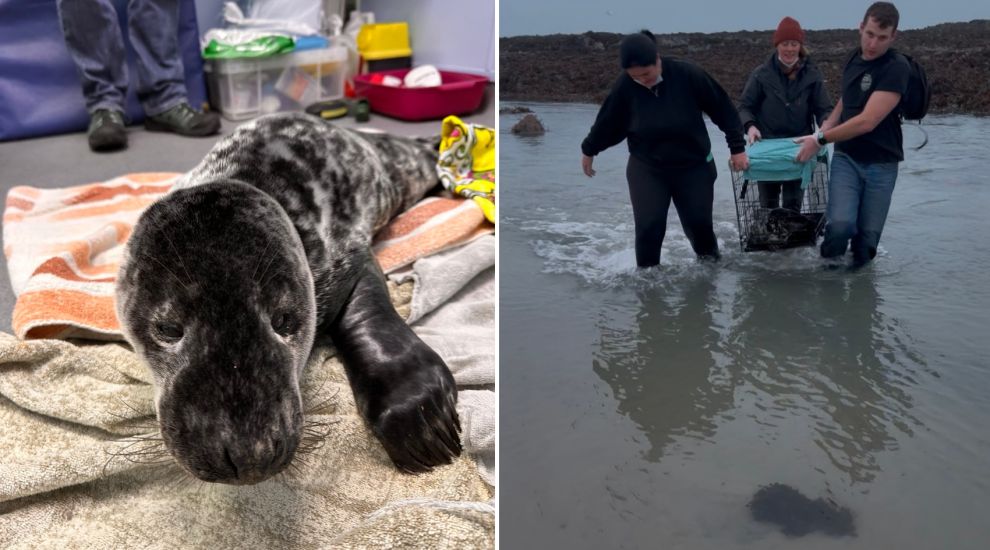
<point>384,41</point>
<point>305,57</point>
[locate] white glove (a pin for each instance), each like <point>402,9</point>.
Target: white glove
<point>753,135</point>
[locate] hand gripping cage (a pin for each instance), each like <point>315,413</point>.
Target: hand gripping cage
<point>773,228</point>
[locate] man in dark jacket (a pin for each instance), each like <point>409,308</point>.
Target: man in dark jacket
<point>784,98</point>
<point>866,130</point>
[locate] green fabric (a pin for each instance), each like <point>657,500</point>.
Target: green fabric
<point>259,47</point>
<point>773,160</point>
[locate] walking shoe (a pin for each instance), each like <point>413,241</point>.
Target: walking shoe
<point>106,130</point>
<point>184,120</point>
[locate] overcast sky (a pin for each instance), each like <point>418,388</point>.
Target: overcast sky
<point>519,17</point>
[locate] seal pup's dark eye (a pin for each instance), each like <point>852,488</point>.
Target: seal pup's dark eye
<point>283,323</point>
<point>168,331</point>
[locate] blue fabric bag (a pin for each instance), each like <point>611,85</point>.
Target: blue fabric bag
<point>773,160</point>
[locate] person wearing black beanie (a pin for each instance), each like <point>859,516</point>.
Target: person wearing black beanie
<point>656,105</point>
<point>638,50</point>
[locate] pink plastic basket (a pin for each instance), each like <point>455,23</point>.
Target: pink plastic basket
<point>459,94</point>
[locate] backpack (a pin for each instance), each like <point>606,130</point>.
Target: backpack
<point>914,102</point>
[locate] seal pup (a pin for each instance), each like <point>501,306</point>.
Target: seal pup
<point>260,250</point>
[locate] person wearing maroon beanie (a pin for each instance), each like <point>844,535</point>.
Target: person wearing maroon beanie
<point>657,106</point>
<point>788,29</point>
<point>783,98</point>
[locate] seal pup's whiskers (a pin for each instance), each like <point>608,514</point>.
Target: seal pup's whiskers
<point>151,451</point>
<point>261,258</point>
<point>321,405</point>
<point>180,479</point>
<point>147,255</point>
<point>178,256</point>
<point>263,285</point>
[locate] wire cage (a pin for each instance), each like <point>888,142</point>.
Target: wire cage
<point>764,225</point>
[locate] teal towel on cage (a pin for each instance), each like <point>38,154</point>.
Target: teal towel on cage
<point>773,160</point>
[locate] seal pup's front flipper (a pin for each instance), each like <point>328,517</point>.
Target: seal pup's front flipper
<point>401,386</point>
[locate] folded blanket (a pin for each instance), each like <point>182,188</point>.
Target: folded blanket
<point>63,247</point>
<point>70,410</point>
<point>457,319</point>
<point>773,160</point>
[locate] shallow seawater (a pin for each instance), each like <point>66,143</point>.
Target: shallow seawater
<point>644,409</point>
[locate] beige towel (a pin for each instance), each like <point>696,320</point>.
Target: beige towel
<point>67,407</point>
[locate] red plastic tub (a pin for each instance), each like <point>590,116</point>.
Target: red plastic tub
<point>460,93</point>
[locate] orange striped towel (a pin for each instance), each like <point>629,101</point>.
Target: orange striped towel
<point>63,248</point>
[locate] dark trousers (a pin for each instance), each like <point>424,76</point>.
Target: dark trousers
<point>651,190</point>
<point>770,194</point>
<point>94,39</point>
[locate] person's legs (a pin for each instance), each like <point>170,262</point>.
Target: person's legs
<point>693,192</point>
<point>153,26</point>
<point>792,195</point>
<point>880,179</point>
<point>845,187</point>
<point>650,198</point>
<point>154,30</point>
<point>769,194</point>
<point>94,41</point>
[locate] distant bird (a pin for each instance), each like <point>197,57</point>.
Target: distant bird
<point>609,12</point>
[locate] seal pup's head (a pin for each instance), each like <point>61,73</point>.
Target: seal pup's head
<point>216,296</point>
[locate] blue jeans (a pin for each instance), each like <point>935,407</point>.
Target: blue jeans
<point>858,201</point>
<point>96,44</point>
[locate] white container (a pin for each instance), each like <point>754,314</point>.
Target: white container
<point>245,88</point>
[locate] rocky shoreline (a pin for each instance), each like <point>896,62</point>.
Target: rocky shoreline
<point>581,67</point>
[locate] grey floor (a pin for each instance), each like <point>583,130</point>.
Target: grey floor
<point>65,160</point>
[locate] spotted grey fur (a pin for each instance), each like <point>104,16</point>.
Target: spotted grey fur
<point>256,253</point>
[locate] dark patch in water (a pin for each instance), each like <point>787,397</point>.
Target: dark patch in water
<point>798,515</point>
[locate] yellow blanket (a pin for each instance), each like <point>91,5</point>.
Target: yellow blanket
<point>467,162</point>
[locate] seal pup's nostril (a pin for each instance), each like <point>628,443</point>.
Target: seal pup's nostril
<point>278,449</point>
<point>230,461</point>
<point>243,468</point>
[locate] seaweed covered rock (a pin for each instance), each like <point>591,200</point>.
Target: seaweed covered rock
<point>529,125</point>
<point>582,68</point>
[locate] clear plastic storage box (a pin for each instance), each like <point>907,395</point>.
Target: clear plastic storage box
<point>246,88</point>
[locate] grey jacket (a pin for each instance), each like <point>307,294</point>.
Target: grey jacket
<point>781,107</point>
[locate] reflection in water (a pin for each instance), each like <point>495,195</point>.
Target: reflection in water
<point>662,369</point>
<point>837,361</point>
<point>804,346</point>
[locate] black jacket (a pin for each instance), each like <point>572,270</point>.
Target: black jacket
<point>664,124</point>
<point>781,107</point>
